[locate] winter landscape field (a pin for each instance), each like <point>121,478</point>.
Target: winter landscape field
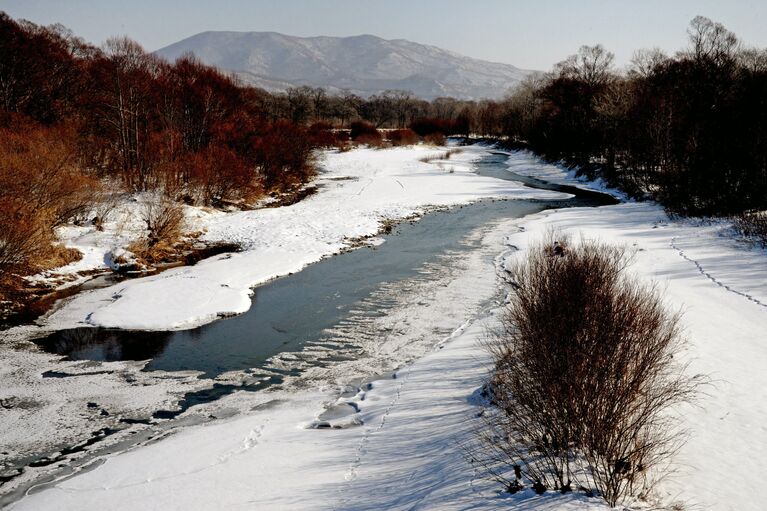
<point>250,270</point>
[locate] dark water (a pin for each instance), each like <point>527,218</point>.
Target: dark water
<point>290,311</point>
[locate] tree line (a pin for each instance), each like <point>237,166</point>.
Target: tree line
<point>78,121</point>
<point>689,130</point>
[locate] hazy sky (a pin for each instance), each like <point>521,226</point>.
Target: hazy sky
<point>531,34</point>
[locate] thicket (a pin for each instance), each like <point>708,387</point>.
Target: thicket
<point>586,377</point>
<point>402,137</point>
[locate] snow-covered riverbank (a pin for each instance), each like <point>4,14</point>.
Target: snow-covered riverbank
<point>49,403</point>
<point>359,190</point>
<point>406,453</point>
<point>398,442</point>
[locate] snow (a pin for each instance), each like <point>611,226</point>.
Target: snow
<point>122,227</point>
<point>398,446</point>
<point>359,190</point>
<point>526,163</point>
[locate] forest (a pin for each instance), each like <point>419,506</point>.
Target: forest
<point>687,130</point>
<point>78,123</point>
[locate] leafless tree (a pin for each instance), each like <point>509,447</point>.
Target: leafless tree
<point>592,64</point>
<point>710,40</point>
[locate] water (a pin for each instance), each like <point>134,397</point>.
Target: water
<point>293,310</point>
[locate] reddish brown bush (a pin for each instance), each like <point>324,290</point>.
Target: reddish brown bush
<point>402,137</point>
<point>41,186</point>
<point>24,238</point>
<point>364,129</point>
<point>430,126</point>
<point>217,174</point>
<point>283,154</point>
<point>435,139</point>
<point>321,135</point>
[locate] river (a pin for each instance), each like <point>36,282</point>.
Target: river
<point>312,320</point>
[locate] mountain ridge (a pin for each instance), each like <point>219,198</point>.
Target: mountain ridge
<point>364,64</point>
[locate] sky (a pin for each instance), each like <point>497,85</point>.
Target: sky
<point>530,35</point>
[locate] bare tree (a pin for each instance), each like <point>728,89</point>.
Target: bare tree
<point>710,40</point>
<point>319,102</point>
<point>300,103</point>
<point>592,64</point>
<point>644,62</point>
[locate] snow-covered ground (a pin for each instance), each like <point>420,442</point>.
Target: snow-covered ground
<point>398,444</point>
<point>394,445</point>
<point>359,190</point>
<point>48,402</point>
<point>526,163</point>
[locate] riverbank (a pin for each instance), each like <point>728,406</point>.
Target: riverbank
<point>51,405</point>
<point>360,189</point>
<point>399,450</point>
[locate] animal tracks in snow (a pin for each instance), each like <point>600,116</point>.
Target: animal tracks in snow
<point>709,276</point>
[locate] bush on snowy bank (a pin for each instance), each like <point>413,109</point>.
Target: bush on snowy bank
<point>41,187</point>
<point>585,377</point>
<point>402,137</point>
<point>164,221</point>
<point>753,225</point>
<point>365,133</point>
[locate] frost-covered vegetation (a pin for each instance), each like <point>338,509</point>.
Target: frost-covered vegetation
<point>753,225</point>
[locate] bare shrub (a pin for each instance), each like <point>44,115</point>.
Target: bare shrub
<point>440,156</point>
<point>41,186</point>
<point>402,137</point>
<point>218,175</point>
<point>375,141</point>
<point>105,204</point>
<point>753,225</point>
<point>24,238</point>
<point>435,139</point>
<point>363,129</point>
<point>322,135</point>
<point>585,376</point>
<point>163,218</point>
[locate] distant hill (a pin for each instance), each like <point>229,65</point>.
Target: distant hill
<point>363,64</point>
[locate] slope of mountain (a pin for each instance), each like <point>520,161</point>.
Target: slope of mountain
<point>362,64</point>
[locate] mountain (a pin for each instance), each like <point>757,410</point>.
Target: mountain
<point>362,64</point>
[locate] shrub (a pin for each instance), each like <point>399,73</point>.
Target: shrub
<point>41,186</point>
<point>321,135</point>
<point>371,140</point>
<point>753,225</point>
<point>435,139</point>
<point>402,137</point>
<point>364,130</point>
<point>430,126</point>
<point>217,174</point>
<point>163,218</point>
<point>584,375</point>
<point>24,238</point>
<point>283,154</point>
